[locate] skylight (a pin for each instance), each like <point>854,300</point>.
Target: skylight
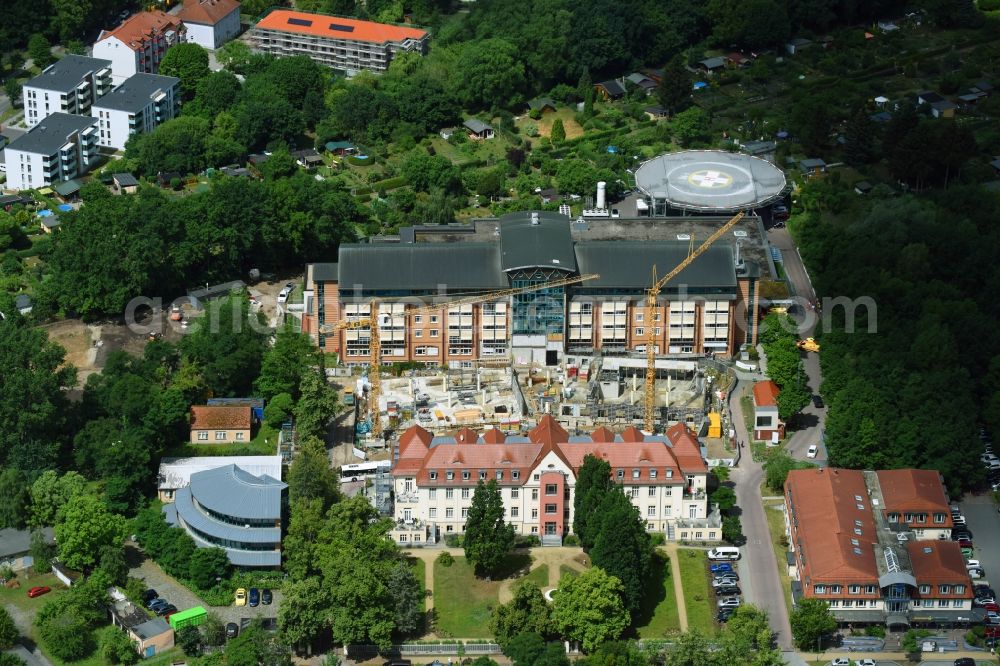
<point>341,27</point>
<point>297,21</point>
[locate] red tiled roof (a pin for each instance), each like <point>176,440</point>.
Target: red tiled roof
<point>939,562</point>
<point>466,436</point>
<point>687,449</point>
<point>494,436</point>
<point>220,417</point>
<point>602,434</point>
<point>137,28</point>
<point>351,29</point>
<point>765,394</point>
<point>548,431</point>
<point>915,490</point>
<point>208,12</point>
<point>824,514</point>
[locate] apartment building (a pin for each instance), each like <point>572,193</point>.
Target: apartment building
<point>435,477</point>
<point>69,85</point>
<point>915,500</point>
<point>137,106</point>
<point>870,570</point>
<point>709,308</point>
<point>61,147</point>
<point>139,43</point>
<point>210,23</point>
<point>345,44</point>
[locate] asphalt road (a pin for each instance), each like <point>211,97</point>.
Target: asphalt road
<point>984,523</point>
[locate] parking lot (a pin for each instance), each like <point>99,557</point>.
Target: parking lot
<point>984,523</point>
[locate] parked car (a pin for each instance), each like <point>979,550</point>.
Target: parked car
<point>965,543</point>
<point>167,608</point>
<point>976,573</point>
<point>241,597</point>
<point>813,451</point>
<point>973,564</point>
<point>724,582</point>
<point>232,630</point>
<point>729,602</point>
<point>266,597</point>
<point>149,595</point>
<point>156,603</point>
<point>779,212</point>
<point>720,567</point>
<point>992,608</point>
<point>729,589</point>
<point>865,662</point>
<point>254,596</point>
<point>724,615</point>
<point>841,661</point>
<point>732,575</point>
<point>38,591</point>
<point>818,402</point>
<point>965,661</point>
<point>283,295</point>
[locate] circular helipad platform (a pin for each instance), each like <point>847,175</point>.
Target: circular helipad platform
<point>711,181</point>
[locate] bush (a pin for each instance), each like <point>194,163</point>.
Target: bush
<point>877,630</point>
<point>116,647</point>
<point>657,538</point>
<point>8,630</point>
<point>67,636</point>
<point>446,559</point>
<point>989,5</point>
<point>528,541</point>
<point>571,540</point>
<point>454,540</point>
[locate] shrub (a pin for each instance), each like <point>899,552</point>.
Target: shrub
<point>454,540</point>
<point>989,5</point>
<point>571,540</point>
<point>446,559</point>
<point>67,636</point>
<point>657,538</point>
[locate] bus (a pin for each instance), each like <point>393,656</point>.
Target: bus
<point>365,470</point>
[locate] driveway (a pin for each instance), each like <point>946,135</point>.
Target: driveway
<point>180,596</point>
<point>984,523</point>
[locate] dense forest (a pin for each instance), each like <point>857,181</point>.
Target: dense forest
<point>914,390</point>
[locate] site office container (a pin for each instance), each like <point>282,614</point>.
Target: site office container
<point>190,617</point>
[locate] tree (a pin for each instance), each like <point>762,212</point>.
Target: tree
<point>558,132</point>
<point>67,636</point>
<point>488,536</point>
<point>592,484</point>
<point>409,596</point>
<point>116,647</point>
<point>525,648</point>
<point>227,349</point>
<point>13,89</point>
<point>49,492</point>
<point>810,121</point>
<point>40,51</point>
<point>11,659</point>
<point>189,638</point>
<point>589,609</point>
<point>113,564</point>
<point>776,469</point>
<point>527,612</point>
<point>302,617</point>
<point>488,70</point>
<point>690,126</point>
<point>316,406</point>
<point>42,552</point>
<point>794,396</point>
<point>732,529</point>
<point>83,528</point>
<point>724,497</point>
<point>13,499</point>
<point>208,566</point>
<point>213,630</point>
<point>861,145</point>
<point>215,93</point>
<point>811,621</point>
<point>674,90</point>
<point>188,62</point>
<point>691,649</point>
<point>278,410</point>
<point>8,630</point>
<point>622,546</point>
<point>285,363</point>
<point>234,55</point>
<point>617,653</point>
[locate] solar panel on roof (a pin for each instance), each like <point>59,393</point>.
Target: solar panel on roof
<point>342,28</point>
<point>297,21</point>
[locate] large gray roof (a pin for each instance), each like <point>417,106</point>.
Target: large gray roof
<point>194,518</point>
<point>176,472</point>
<point>18,542</point>
<point>234,492</point>
<point>136,92</point>
<point>65,75</point>
<point>325,272</point>
<point>48,136</point>
<point>547,244</point>
<point>151,628</point>
<point>420,266</point>
<point>629,265</point>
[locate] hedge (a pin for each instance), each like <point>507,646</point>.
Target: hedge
<point>389,184</point>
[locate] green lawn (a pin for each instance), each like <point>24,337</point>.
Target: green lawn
<point>776,526</point>
<point>462,602</point>
<point>420,571</point>
<point>699,601</point>
<point>264,443</point>
<point>19,597</point>
<point>658,616</point>
<point>539,577</point>
<point>566,570</point>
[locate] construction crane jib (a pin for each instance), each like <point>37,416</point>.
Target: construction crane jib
<point>375,344</point>
<point>652,296</point>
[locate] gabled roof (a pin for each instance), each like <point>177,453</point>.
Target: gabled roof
<point>125,180</point>
<point>612,87</point>
<point>421,266</point>
<point>686,448</point>
<point>914,490</point>
<point>539,103</point>
<point>136,29</point>
<point>765,394</point>
<point>214,417</point>
<point>718,62</point>
<point>939,562</point>
<point>207,12</point>
<point>477,126</point>
<point>337,27</point>
<point>66,74</point>
<point>18,542</point>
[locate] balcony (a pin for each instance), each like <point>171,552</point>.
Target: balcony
<point>714,521</point>
<point>694,494</point>
<point>408,498</point>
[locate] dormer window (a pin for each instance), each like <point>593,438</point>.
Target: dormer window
<point>635,474</point>
<point>670,473</point>
<point>515,475</point>
<point>450,476</point>
<point>499,475</point>
<point>466,475</point>
<point>652,473</point>
<point>482,475</point>
<point>620,474</point>
<point>433,475</point>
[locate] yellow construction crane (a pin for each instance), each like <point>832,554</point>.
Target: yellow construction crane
<point>652,295</point>
<point>375,345</point>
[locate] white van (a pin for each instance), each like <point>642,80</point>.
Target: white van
<point>724,553</point>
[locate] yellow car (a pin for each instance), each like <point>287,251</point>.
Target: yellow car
<point>241,597</point>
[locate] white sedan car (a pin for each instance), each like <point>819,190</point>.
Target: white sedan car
<point>812,452</point>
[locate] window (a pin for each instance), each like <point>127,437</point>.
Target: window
<point>668,492</point>
<point>869,589</point>
<point>536,476</point>
<point>834,603</point>
<point>697,536</point>
<point>551,489</point>
<point>635,474</point>
<point>550,508</point>
<point>465,512</point>
<point>432,493</point>
<point>927,603</point>
<point>220,435</point>
<point>633,491</point>
<point>434,332</point>
<point>652,491</point>
<point>944,589</point>
<point>202,435</point>
<point>432,513</point>
<point>449,493</point>
<point>433,476</point>
<point>402,538</point>
<point>670,473</point>
<point>639,332</point>
<point>515,474</point>
<point>909,517</point>
<point>449,513</point>
<point>820,589</point>
<point>515,493</point>
<point>240,436</point>
<point>434,319</point>
<point>638,317</point>
<point>854,589</point>
<point>957,603</point>
<point>835,589</point>
<point>943,603</point>
<point>465,475</point>
<point>465,493</point>
<point>651,511</point>
<point>482,475</point>
<point>959,589</point>
<point>534,513</point>
<point>925,589</point>
<point>419,334</point>
<point>857,530</point>
<point>418,319</point>
<point>939,518</point>
<point>652,473</point>
<point>534,529</point>
<point>451,476</point>
<point>449,528</point>
<point>534,493</point>
<point>893,517</point>
<point>847,603</point>
<point>620,474</point>
<point>514,511</point>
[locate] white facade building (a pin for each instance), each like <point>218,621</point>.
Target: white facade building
<point>138,105</point>
<point>210,23</point>
<point>61,147</point>
<point>70,85</point>
<point>434,479</point>
<point>139,43</point>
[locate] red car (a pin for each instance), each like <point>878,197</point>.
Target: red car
<point>38,591</point>
<point>992,632</point>
<point>992,607</point>
<point>964,543</point>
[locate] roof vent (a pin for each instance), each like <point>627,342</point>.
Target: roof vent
<point>683,237</point>
<point>928,550</point>
<point>534,218</point>
<point>739,233</point>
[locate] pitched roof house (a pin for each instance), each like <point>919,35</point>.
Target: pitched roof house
<point>220,424</point>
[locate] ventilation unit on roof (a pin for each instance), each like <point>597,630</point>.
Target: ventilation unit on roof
<point>534,218</point>
<point>739,233</point>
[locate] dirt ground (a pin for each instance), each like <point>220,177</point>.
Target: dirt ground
<point>573,129</point>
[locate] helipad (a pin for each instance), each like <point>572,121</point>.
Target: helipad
<point>710,181</point>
